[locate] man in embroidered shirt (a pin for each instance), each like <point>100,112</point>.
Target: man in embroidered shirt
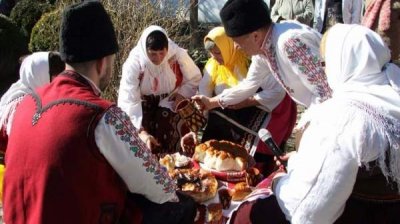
<point>72,155</point>
<point>289,51</point>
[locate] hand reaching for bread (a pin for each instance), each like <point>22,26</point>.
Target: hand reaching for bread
<point>149,141</point>
<point>188,143</point>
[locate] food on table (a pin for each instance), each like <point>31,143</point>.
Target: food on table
<point>224,198</point>
<point>221,155</point>
<point>240,191</point>
<point>180,160</point>
<point>173,161</point>
<point>198,184</point>
<point>214,212</point>
<point>168,162</point>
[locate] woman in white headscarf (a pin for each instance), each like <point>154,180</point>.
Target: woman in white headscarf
<point>351,148</point>
<point>347,168</point>
<point>35,71</point>
<point>157,75</point>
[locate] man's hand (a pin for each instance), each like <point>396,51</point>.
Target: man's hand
<point>249,102</point>
<point>206,103</point>
<point>284,158</point>
<point>149,141</point>
<point>188,143</point>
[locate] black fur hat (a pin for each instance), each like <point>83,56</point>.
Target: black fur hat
<point>241,17</point>
<point>87,33</point>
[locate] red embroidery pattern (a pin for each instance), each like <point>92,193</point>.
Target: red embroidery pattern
<point>310,65</point>
<point>271,58</point>
<point>128,133</point>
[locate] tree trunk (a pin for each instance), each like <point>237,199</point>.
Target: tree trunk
<point>194,23</point>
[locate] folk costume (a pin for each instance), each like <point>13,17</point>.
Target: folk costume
<point>71,155</point>
<point>347,168</point>
<point>352,157</point>
<point>34,73</point>
<point>291,55</point>
<point>278,113</point>
<point>146,90</point>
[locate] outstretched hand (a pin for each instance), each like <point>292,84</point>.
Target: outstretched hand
<point>284,157</point>
<point>206,103</point>
<point>149,141</point>
<point>188,143</point>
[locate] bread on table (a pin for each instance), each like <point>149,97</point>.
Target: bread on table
<point>200,152</point>
<point>221,155</point>
<point>200,185</point>
<point>211,157</point>
<point>225,161</point>
<point>240,191</point>
<point>168,162</point>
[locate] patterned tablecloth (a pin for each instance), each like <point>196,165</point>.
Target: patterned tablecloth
<point>258,192</point>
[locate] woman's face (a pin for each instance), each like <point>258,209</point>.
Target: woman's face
<point>157,56</point>
<point>216,54</point>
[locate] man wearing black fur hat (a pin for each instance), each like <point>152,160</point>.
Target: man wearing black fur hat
<point>289,51</point>
<point>72,155</point>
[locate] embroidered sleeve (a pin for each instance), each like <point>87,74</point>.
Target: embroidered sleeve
<point>247,87</point>
<point>118,141</point>
<point>309,65</point>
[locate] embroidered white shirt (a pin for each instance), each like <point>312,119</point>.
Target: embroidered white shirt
<point>118,141</point>
<point>291,55</point>
<point>141,77</point>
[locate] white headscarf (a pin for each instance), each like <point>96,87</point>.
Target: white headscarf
<point>160,74</point>
<point>34,72</point>
<point>363,58</point>
<point>358,69</point>
<point>141,46</point>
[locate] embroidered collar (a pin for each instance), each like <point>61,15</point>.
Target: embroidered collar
<point>83,79</point>
<point>268,38</point>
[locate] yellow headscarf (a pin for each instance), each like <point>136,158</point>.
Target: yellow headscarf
<point>235,65</point>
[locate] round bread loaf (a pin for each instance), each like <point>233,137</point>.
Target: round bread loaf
<point>221,155</point>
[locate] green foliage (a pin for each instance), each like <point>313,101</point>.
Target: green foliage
<point>12,46</point>
<point>44,35</point>
<point>27,12</point>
